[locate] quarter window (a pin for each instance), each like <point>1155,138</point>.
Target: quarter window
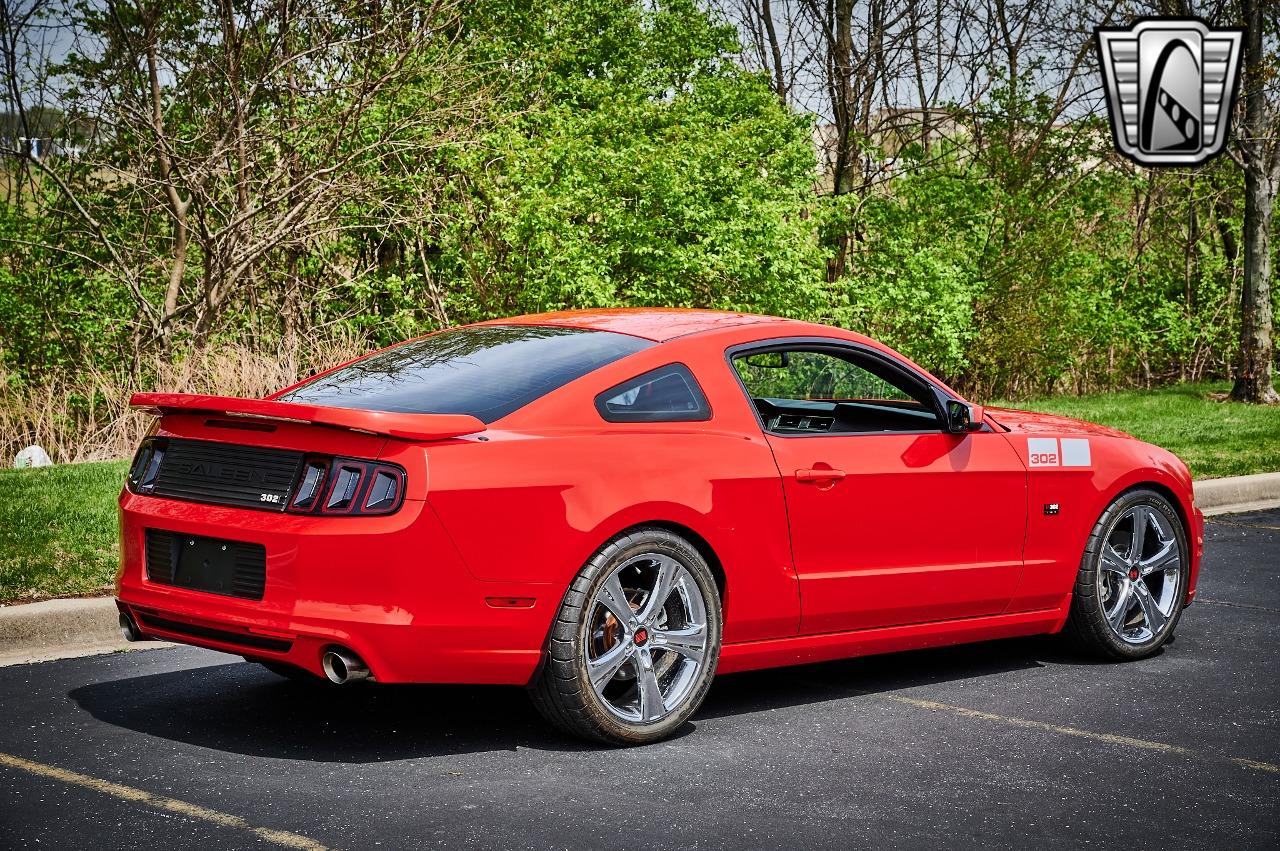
<point>666,394</point>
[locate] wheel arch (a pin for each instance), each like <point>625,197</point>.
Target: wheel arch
<point>701,544</point>
<point>749,560</point>
<point>1162,473</point>
<point>1166,492</point>
<point>695,539</point>
<point>1188,515</point>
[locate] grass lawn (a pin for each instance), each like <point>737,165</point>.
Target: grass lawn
<point>58,524</point>
<point>1214,438</point>
<point>58,530</point>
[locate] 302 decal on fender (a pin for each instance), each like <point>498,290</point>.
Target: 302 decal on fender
<point>1050,452</point>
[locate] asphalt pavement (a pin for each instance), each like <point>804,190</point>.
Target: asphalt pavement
<point>1005,745</point>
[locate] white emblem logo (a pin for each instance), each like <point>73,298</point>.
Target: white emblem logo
<point>1170,83</point>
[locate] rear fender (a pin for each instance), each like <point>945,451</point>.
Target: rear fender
<point>535,508</point>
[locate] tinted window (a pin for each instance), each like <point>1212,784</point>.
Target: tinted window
<point>667,394</point>
<point>812,376</point>
<point>486,371</point>
<point>806,391</point>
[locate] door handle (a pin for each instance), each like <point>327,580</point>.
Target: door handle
<point>825,474</point>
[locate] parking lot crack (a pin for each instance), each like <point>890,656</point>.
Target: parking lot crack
<point>1236,605</point>
<point>1218,521</point>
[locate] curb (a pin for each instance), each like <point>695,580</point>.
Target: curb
<point>61,629</point>
<point>1238,493</point>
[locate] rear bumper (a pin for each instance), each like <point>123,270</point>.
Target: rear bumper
<point>392,589</point>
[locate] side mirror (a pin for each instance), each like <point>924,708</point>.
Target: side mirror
<point>963,417</point>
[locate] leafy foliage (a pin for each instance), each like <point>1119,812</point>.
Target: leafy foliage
<point>384,171</point>
<point>637,167</point>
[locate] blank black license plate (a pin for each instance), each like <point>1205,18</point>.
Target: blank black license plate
<point>218,566</point>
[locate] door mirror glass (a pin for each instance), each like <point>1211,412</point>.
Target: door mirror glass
<point>963,417</point>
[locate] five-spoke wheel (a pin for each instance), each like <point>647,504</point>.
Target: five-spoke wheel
<point>1141,563</point>
<point>648,630</point>
<point>1132,581</point>
<point>635,646</point>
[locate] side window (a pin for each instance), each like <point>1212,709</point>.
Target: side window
<point>834,391</point>
<point>667,394</point>
<point>812,376</point>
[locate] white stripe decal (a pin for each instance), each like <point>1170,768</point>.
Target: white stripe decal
<point>1075,452</point>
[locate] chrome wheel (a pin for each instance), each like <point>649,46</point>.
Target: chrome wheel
<point>1139,574</point>
<point>646,638</point>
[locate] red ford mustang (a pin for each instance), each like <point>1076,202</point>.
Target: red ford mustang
<point>612,506</point>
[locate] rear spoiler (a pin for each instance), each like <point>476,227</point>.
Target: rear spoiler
<point>387,423</point>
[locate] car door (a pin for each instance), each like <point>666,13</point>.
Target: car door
<point>893,520</point>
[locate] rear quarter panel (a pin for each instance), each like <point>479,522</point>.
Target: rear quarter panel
<point>550,484</point>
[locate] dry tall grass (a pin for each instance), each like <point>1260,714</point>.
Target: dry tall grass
<point>88,418</point>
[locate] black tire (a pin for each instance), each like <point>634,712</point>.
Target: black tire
<point>562,690</point>
<point>1087,623</point>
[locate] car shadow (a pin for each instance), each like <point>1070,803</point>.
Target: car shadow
<point>778,688</point>
<point>244,709</point>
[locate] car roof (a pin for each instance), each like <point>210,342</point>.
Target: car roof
<point>652,323</point>
<point>662,324</point>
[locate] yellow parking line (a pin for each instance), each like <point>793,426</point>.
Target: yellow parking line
<point>1109,738</point>
<point>1253,763</point>
<point>173,805</point>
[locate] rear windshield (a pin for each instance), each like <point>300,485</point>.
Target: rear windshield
<point>486,371</point>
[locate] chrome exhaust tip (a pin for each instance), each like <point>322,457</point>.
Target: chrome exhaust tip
<point>128,629</point>
<point>343,666</point>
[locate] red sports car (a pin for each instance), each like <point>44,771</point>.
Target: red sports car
<point>611,506</point>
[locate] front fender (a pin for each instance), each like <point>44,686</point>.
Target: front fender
<point>1065,502</point>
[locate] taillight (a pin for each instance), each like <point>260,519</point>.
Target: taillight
<point>309,486</point>
<point>324,486</point>
<point>347,486</point>
<point>146,464</point>
<point>343,490</point>
<point>384,491</point>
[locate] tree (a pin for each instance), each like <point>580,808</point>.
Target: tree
<point>276,172</point>
<point>232,139</point>
<point>1258,154</point>
<point>638,166</point>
